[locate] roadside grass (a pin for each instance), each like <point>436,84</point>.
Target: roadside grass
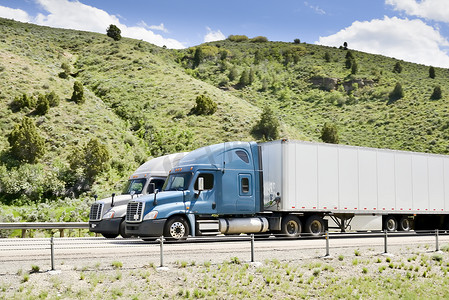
<point>411,276</point>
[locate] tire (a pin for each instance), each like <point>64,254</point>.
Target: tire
<point>291,226</point>
<point>122,230</point>
<point>176,228</point>
<point>109,235</point>
<point>390,224</point>
<point>315,225</point>
<point>405,224</point>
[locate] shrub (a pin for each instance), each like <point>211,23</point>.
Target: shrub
<point>42,106</point>
<point>233,74</point>
<point>204,105</point>
<point>244,79</point>
<point>259,39</point>
<point>437,94</point>
<point>237,38</point>
<point>78,93</point>
<point>397,93</point>
<point>327,57</point>
<point>329,133</point>
<point>114,32</point>
<point>268,126</point>
<point>53,99</point>
<point>432,72</point>
<point>26,142</point>
<point>21,102</point>
<point>397,68</point>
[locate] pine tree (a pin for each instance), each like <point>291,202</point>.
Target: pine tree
<point>397,93</point>
<point>42,106</point>
<point>397,68</point>
<point>26,143</point>
<point>78,93</point>
<point>437,94</point>
<point>329,134</point>
<point>92,159</point>
<point>244,79</point>
<point>432,72</point>
<point>268,126</point>
<point>114,32</point>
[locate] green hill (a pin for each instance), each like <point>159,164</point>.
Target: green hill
<point>140,99</point>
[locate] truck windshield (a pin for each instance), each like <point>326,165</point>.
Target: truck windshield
<point>134,185</point>
<point>177,182</point>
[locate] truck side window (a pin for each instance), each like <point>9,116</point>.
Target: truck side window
<point>245,185</point>
<point>242,155</point>
<point>208,181</point>
<point>158,183</point>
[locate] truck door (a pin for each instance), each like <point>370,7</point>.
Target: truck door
<point>246,200</point>
<point>204,202</point>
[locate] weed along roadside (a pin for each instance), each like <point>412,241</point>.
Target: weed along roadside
<point>413,271</point>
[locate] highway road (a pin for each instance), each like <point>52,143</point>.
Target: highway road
<point>133,253</point>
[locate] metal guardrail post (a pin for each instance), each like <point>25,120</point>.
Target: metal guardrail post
<point>161,241</point>
<point>327,243</point>
<point>437,248</point>
<point>386,242</point>
<point>252,247</point>
<point>52,249</point>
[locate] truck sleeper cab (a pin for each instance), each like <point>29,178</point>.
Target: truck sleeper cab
<point>107,216</point>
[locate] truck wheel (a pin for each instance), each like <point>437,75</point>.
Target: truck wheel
<point>176,228</point>
<point>315,225</point>
<point>390,223</point>
<point>291,226</point>
<point>405,224</point>
<point>122,230</point>
<point>109,235</point>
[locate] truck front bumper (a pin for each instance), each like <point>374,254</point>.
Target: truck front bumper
<point>107,226</point>
<point>147,228</point>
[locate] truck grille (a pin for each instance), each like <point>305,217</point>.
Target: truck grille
<point>96,212</point>
<point>134,212</point>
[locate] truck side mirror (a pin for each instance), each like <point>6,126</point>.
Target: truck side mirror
<point>155,193</point>
<point>200,186</point>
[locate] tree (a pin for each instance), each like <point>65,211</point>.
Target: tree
<point>198,57</point>
<point>244,79</point>
<point>78,93</point>
<point>53,99</point>
<point>397,68</point>
<point>92,159</point>
<point>26,143</point>
<point>437,94</point>
<point>432,72</point>
<point>114,32</point>
<point>297,41</point>
<point>204,106</point>
<point>268,126</point>
<point>354,68</point>
<point>233,74</point>
<point>329,133</point>
<point>42,106</point>
<point>345,45</point>
<point>397,93</point>
<point>327,57</point>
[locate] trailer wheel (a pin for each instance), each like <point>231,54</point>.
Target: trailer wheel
<point>390,223</point>
<point>315,225</point>
<point>176,228</point>
<point>405,224</point>
<point>122,230</point>
<point>291,226</point>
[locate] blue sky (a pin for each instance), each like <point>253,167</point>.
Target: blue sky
<point>412,30</point>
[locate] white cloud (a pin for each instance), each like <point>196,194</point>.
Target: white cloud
<point>76,15</point>
<point>410,40</point>
<point>213,36</point>
<point>15,14</point>
<point>317,9</point>
<point>436,10</point>
<point>160,27</point>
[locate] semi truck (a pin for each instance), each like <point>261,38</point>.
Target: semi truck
<point>107,215</point>
<point>294,187</point>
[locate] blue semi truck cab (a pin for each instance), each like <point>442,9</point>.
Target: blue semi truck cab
<point>214,189</point>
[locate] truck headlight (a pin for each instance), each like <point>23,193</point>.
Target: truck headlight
<point>151,215</point>
<point>109,214</point>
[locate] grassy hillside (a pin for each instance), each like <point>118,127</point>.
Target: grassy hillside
<point>139,100</point>
<point>293,79</point>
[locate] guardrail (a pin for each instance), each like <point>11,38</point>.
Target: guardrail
<point>45,225</point>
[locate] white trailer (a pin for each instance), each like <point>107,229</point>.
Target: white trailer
<point>394,189</point>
